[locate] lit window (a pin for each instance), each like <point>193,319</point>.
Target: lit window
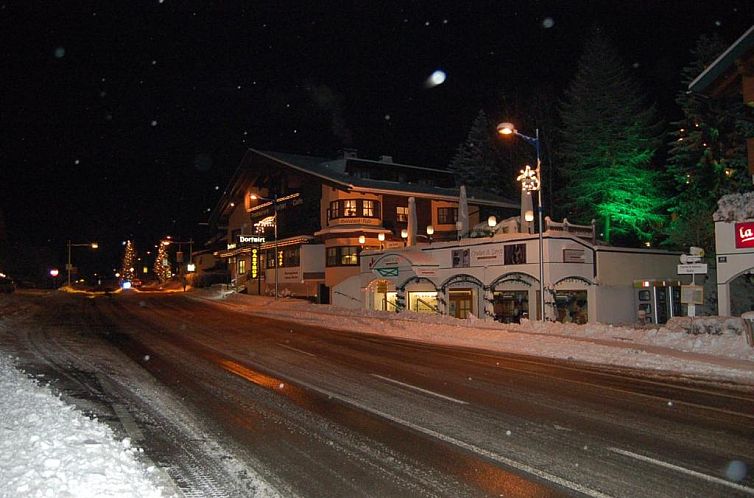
<point>401,213</point>
<point>447,216</point>
<point>349,207</point>
<point>368,210</point>
<point>343,256</point>
<point>349,256</point>
<point>241,266</point>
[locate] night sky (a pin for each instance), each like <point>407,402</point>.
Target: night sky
<point>125,119</point>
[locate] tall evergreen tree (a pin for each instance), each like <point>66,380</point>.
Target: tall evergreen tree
<point>707,155</point>
<point>161,262</point>
<point>477,163</point>
<point>609,136</point>
<point>127,270</point>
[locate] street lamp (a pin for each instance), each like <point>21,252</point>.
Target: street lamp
<point>189,267</point>
<point>404,236</point>
<point>531,181</point>
<point>274,200</point>
<point>381,238</point>
<point>68,265</point>
<point>430,233</point>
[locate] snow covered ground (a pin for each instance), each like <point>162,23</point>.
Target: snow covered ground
<point>50,449</point>
<point>709,348</point>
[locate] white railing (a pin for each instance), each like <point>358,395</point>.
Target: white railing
<point>588,232</point>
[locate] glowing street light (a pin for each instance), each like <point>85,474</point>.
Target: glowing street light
<point>531,181</point>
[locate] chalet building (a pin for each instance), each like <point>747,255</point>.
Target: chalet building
<point>732,73</point>
<point>297,224</point>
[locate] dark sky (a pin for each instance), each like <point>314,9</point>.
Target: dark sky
<point>122,119</point>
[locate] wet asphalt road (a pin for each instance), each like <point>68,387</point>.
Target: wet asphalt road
<point>317,412</point>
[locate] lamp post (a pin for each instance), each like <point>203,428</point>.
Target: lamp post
<point>532,182</point>
<point>183,266</point>
<point>274,200</point>
<point>430,233</point>
<point>381,238</point>
<point>68,265</point>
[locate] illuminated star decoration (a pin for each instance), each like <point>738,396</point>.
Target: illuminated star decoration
<point>529,179</point>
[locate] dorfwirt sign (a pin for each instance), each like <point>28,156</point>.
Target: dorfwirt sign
<point>744,235</point>
<point>250,239</point>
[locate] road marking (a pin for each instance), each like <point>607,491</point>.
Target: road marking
<point>454,400</point>
<point>466,446</point>
<point>239,369</point>
<point>295,349</point>
<point>690,472</point>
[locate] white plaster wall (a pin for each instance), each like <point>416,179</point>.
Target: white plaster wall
<point>617,267</point>
<point>347,294</point>
<point>312,258</point>
<point>613,304</point>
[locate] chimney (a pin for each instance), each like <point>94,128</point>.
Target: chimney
<point>386,159</point>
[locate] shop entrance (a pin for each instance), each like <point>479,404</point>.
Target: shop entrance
<point>460,302</point>
<point>423,302</point>
<point>571,306</point>
<point>511,306</point>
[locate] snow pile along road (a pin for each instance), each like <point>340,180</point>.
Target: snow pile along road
<point>47,448</point>
<point>676,347</point>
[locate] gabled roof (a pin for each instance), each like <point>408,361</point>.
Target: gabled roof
<point>334,171</point>
<point>723,64</point>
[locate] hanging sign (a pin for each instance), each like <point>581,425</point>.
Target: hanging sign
<point>255,263</point>
<point>692,269</point>
<point>744,235</point>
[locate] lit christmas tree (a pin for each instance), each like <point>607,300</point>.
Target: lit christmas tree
<point>161,262</point>
<point>127,271</point>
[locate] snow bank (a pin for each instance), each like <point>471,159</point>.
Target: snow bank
<point>676,347</point>
<point>47,448</point>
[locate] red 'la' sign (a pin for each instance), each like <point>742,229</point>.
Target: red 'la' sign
<point>744,235</point>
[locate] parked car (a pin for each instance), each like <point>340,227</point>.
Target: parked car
<point>7,285</point>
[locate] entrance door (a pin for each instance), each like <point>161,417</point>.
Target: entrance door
<point>460,303</point>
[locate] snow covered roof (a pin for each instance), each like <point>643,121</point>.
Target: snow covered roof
<point>735,207</point>
<point>723,63</point>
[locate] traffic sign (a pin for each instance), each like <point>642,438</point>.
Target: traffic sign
<point>692,269</point>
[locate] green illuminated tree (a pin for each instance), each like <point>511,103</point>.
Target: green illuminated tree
<point>707,155</point>
<point>609,137</point>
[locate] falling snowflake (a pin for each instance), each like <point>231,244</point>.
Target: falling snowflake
<point>436,78</point>
<point>59,52</point>
<point>548,22</point>
<point>154,122</point>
